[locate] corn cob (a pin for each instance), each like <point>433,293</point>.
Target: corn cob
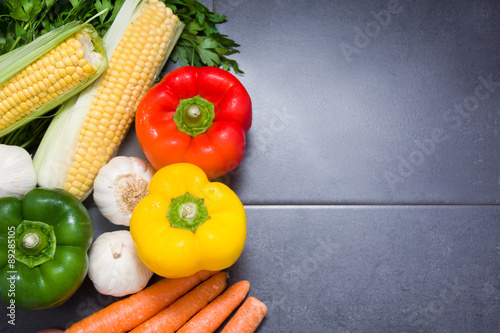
<point>94,125</point>
<point>60,64</point>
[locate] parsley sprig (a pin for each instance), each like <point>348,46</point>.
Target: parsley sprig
<point>201,43</point>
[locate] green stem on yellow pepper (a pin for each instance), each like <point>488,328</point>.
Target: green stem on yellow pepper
<point>187,212</point>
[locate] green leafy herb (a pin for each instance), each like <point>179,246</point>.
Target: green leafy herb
<point>21,21</point>
<point>201,43</point>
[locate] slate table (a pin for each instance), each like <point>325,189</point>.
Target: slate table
<point>371,178</point>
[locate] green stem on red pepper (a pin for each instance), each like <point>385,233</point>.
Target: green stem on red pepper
<point>194,115</point>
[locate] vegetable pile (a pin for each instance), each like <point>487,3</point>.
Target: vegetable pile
<point>23,21</point>
<point>196,303</point>
<point>75,75</point>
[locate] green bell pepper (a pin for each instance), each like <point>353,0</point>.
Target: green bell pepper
<point>44,239</point>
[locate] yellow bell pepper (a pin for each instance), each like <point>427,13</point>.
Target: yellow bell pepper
<point>187,223</point>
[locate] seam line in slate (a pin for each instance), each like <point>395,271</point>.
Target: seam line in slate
<point>366,204</point>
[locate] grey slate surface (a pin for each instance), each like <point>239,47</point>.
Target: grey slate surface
<point>371,177</point>
<point>346,117</point>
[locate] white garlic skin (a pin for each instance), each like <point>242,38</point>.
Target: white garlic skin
<point>119,186</point>
<point>17,173</point>
<point>114,265</point>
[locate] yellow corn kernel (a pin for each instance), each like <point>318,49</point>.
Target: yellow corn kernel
<point>45,62</point>
<point>35,99</point>
<point>67,62</point>
<point>22,95</point>
<point>50,69</point>
<point>30,79</point>
<point>79,53</point>
<point>36,89</point>
<point>74,60</point>
<point>11,102</point>
<point>16,98</point>
<point>52,79</point>
<point>52,91</point>
<point>76,44</point>
<point>25,106</point>
<point>42,86</point>
<point>19,111</point>
<point>88,68</point>
<point>58,86</point>
<point>70,69</point>
<point>62,72</point>
<point>29,70</point>
<point>70,49</point>
<point>6,106</point>
<point>16,85</point>
<point>82,62</point>
<point>63,52</point>
<point>57,56</point>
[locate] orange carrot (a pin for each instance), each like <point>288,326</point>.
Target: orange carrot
<point>214,314</point>
<point>247,318</point>
<point>123,315</point>
<point>175,315</point>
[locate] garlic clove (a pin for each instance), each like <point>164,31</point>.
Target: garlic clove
<point>116,248</point>
<point>114,265</point>
<point>119,186</point>
<point>17,173</point>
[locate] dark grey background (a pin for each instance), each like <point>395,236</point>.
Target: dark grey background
<point>371,177</point>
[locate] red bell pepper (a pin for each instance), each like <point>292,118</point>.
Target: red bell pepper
<point>198,115</point>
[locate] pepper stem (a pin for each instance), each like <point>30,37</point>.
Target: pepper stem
<point>193,111</point>
<point>35,243</point>
<point>187,212</point>
<point>31,240</point>
<point>194,115</point>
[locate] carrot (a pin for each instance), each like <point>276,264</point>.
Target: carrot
<point>123,315</point>
<point>214,314</point>
<point>175,315</point>
<point>247,318</point>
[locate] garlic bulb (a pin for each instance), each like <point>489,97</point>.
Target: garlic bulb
<point>119,186</point>
<point>17,173</point>
<point>114,265</point>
